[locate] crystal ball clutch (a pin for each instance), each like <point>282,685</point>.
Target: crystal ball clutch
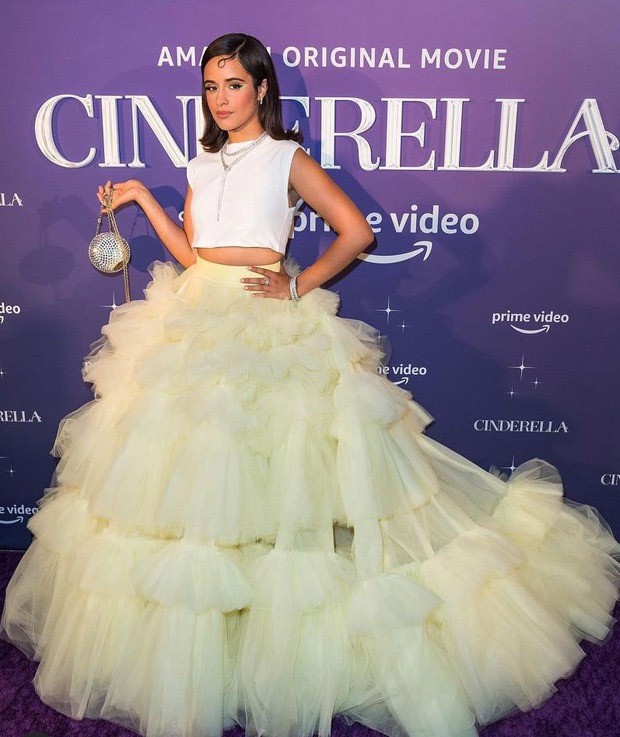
<point>108,252</point>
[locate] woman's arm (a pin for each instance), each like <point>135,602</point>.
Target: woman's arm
<point>176,239</point>
<point>324,196</point>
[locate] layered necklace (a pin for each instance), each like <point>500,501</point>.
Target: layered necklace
<point>239,153</point>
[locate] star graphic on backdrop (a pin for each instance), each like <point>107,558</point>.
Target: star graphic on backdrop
<point>2,372</point>
<point>512,392</point>
<point>512,466</point>
<point>11,471</point>
<point>522,367</point>
<point>387,310</point>
<point>403,325</point>
<point>536,382</point>
<point>113,305</point>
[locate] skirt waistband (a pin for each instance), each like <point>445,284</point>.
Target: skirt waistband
<point>229,274</point>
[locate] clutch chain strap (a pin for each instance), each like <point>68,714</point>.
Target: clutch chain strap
<point>107,203</point>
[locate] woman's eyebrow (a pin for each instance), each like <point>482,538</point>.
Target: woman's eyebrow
<point>228,79</point>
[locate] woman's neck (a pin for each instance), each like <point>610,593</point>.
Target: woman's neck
<point>244,137</point>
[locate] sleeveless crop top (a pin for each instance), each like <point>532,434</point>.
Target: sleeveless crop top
<point>255,210</point>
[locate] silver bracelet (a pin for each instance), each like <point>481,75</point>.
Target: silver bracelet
<point>293,289</point>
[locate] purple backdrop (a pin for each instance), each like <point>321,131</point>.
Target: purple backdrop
<point>489,176</point>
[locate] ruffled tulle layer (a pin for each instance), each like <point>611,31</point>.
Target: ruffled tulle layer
<point>248,526</point>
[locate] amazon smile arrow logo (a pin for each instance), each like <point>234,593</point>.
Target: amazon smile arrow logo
<point>533,331</point>
<point>422,248</point>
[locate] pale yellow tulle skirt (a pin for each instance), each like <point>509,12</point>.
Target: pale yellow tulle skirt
<point>248,526</point>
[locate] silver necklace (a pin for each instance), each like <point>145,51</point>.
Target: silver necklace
<point>226,152</point>
<point>228,166</point>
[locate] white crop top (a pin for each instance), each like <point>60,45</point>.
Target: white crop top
<point>255,210</point>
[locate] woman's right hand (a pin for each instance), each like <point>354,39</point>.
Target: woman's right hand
<point>122,192</point>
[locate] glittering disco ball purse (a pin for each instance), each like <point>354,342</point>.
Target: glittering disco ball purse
<point>109,251</point>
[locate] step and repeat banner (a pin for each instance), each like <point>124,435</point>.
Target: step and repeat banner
<point>480,140</point>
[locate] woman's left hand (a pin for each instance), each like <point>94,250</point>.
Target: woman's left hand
<point>277,288</point>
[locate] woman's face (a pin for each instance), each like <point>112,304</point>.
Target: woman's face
<point>231,97</point>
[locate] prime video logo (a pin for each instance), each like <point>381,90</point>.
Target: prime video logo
<point>6,309</point>
<point>530,323</point>
<point>400,373</point>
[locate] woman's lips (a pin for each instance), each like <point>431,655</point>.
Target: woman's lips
<point>223,115</point>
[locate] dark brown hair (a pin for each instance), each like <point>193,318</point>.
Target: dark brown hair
<point>255,59</point>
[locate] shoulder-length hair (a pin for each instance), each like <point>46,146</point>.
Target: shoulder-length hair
<point>257,62</point>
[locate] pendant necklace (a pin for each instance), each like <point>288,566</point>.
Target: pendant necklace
<point>227,167</point>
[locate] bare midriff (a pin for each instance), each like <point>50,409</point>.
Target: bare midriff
<point>240,255</point>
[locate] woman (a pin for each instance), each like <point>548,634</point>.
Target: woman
<point>248,525</point>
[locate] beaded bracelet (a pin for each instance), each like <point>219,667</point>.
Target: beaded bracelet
<point>293,289</point>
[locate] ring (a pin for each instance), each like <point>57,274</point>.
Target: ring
<point>265,280</point>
